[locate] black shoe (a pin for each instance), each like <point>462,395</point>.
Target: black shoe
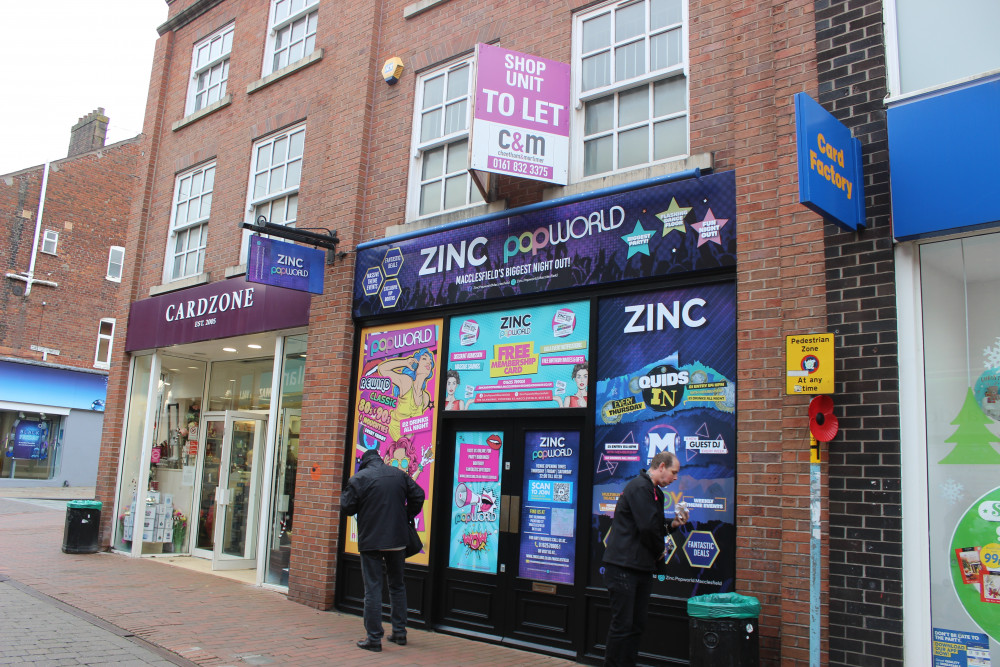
<point>398,639</point>
<point>369,645</point>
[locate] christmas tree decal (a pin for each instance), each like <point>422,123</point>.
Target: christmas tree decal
<point>972,439</point>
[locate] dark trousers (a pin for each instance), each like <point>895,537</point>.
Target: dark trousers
<point>373,565</point>
<point>629,591</point>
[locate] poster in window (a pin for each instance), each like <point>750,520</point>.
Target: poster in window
<point>667,382</point>
<point>475,510</point>
<point>396,409</point>
<point>524,358</point>
<point>548,506</point>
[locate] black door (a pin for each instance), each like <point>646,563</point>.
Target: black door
<point>509,567</point>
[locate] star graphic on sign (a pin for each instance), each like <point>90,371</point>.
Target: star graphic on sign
<point>708,229</point>
<point>638,240</point>
<point>673,218</point>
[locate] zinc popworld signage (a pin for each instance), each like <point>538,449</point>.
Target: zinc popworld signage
<point>520,123</point>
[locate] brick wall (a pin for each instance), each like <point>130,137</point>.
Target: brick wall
<point>866,607</point>
<point>87,202</point>
<point>747,61</point>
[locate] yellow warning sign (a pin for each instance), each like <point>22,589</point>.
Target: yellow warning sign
<point>809,364</point>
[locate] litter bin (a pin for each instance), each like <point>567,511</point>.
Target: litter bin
<point>723,630</point>
<point>83,521</point>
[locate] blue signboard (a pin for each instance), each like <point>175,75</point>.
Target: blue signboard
<point>662,229</point>
<point>296,267</point>
<point>830,177</point>
<point>41,385</point>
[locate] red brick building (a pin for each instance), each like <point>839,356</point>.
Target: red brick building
<point>239,408</point>
<point>63,258</point>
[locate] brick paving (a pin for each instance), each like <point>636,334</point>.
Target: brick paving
<point>199,618</point>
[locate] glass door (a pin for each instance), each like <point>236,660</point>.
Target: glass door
<point>213,428</point>
<point>237,497</point>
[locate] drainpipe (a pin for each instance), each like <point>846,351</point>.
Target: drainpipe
<point>29,277</point>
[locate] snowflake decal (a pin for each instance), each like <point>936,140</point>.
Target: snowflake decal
<point>952,491</point>
<point>992,355</point>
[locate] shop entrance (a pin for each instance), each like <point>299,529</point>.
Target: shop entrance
<point>509,566</point>
<point>230,488</point>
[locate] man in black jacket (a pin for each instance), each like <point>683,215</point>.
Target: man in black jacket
<point>385,499</point>
<point>634,548</point>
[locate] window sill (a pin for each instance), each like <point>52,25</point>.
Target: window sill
<point>201,113</point>
<point>420,7</point>
<point>445,218</point>
<point>238,270</point>
<point>313,57</point>
<point>174,285</point>
<point>703,161</point>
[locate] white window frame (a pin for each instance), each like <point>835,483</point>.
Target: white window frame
<point>265,195</point>
<point>894,66</point>
<point>109,339</point>
<point>210,60</point>
<point>615,88</point>
<point>446,142</point>
<point>298,26</point>
<point>187,226</point>
<point>50,242</point>
<point>117,264</point>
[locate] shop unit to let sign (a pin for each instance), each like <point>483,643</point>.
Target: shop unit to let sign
<point>520,124</point>
<point>809,364</point>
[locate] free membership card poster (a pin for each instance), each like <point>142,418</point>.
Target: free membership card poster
<point>522,358</point>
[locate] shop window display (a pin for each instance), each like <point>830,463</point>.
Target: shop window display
<point>31,445</point>
<point>283,496</point>
<point>960,294</point>
<point>175,438</point>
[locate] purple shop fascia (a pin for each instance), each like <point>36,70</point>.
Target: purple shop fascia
<point>221,309</point>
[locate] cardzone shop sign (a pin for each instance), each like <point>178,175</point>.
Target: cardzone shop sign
<point>829,160</point>
<point>521,117</point>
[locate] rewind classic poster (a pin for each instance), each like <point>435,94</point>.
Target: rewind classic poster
<point>666,380</point>
<point>396,409</point>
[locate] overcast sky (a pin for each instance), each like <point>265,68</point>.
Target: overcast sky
<point>63,59</point>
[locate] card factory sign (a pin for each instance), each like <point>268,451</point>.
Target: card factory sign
<point>520,123</point>
<point>217,310</point>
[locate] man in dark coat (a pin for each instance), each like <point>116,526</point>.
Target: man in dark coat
<point>385,499</point>
<point>634,550</point>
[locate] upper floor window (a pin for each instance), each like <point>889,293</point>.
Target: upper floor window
<point>439,176</point>
<point>189,223</point>
<point>275,172</point>
<point>210,69</point>
<point>928,45</point>
<point>116,261</point>
<point>105,336</point>
<point>50,241</point>
<point>629,74</point>
<point>292,32</point>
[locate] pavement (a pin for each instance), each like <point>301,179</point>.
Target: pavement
<point>104,609</point>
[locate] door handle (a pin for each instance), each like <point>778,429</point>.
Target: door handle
<point>504,513</point>
<point>514,516</point>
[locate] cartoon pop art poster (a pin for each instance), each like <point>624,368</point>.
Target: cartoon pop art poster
<point>523,358</point>
<point>548,506</point>
<point>666,380</point>
<point>396,409</point>
<point>475,510</point>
